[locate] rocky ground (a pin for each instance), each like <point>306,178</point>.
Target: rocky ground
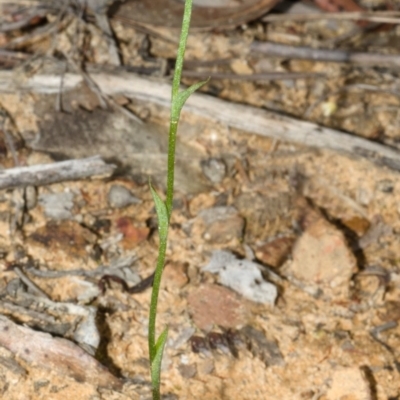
<point>281,280</point>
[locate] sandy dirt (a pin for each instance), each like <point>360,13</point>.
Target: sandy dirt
<point>281,279</point>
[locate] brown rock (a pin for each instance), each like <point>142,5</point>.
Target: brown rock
<point>219,224</point>
<point>275,252</point>
<point>349,384</point>
<point>321,258</point>
<point>133,235</point>
<point>214,305</point>
<point>357,224</point>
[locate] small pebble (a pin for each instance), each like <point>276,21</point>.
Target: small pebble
<point>30,197</point>
<point>187,371</point>
<point>263,347</point>
<point>87,331</point>
<point>243,276</point>
<point>57,206</point>
<point>119,197</point>
<point>214,169</point>
<point>211,305</point>
<point>219,224</point>
<point>385,186</point>
<point>322,259</point>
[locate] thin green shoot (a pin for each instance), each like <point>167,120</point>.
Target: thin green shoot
<point>164,209</point>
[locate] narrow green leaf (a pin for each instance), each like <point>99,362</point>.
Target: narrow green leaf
<point>179,100</point>
<point>187,13</point>
<point>156,363</point>
<point>162,214</point>
<point>161,339</point>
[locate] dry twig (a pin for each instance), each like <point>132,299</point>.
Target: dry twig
<point>247,118</point>
<point>267,76</point>
<point>386,17</point>
<point>308,53</point>
<point>44,174</point>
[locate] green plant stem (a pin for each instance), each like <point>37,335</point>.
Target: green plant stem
<point>156,348</point>
<point>187,14</point>
<point>164,210</point>
<point>162,249</point>
<point>176,108</point>
<point>175,112</point>
<point>173,128</point>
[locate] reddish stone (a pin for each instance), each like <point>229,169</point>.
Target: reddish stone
<point>211,305</point>
<point>133,235</point>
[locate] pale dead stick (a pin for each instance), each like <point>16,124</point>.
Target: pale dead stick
<point>386,17</point>
<point>44,174</point>
<point>238,116</point>
<point>267,76</point>
<point>32,286</point>
<point>308,53</point>
<point>101,270</point>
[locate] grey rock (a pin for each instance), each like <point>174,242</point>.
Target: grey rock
<point>187,371</point>
<point>214,169</point>
<point>30,197</point>
<point>87,331</point>
<point>262,347</point>
<point>119,197</point>
<point>242,276</point>
<point>57,206</point>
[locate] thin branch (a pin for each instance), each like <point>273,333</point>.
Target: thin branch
<point>386,17</point>
<point>33,287</point>
<point>308,53</point>
<point>38,34</point>
<point>243,117</point>
<point>267,76</point>
<point>44,174</point>
<point>101,270</point>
